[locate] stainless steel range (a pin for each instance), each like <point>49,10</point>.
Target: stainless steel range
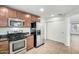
<point>17,42</point>
<point>18,46</point>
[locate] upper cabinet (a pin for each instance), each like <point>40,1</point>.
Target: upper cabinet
<point>3,16</point>
<point>35,18</point>
<point>6,13</point>
<point>27,19</point>
<point>20,15</point>
<point>12,13</point>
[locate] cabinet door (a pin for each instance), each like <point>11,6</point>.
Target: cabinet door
<point>4,47</point>
<point>3,16</point>
<point>30,42</point>
<point>20,15</point>
<point>35,19</point>
<point>27,21</point>
<point>12,13</point>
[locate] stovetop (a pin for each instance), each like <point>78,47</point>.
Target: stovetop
<point>17,36</point>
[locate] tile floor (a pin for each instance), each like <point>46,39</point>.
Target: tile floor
<point>51,47</point>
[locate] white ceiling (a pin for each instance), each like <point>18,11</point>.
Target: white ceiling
<point>49,9</point>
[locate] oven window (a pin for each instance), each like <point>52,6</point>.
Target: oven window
<point>18,45</point>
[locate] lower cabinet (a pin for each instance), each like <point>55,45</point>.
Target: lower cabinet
<point>30,42</point>
<point>4,47</point>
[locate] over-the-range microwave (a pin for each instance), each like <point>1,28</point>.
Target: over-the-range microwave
<point>15,22</point>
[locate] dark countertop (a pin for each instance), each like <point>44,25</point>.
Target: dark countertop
<point>5,38</point>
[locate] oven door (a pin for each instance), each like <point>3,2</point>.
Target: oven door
<point>17,46</point>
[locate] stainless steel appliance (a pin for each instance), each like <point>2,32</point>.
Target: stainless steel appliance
<point>18,46</point>
<point>36,31</point>
<point>15,22</point>
<point>17,42</point>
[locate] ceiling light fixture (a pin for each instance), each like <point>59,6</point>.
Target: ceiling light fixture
<point>42,9</point>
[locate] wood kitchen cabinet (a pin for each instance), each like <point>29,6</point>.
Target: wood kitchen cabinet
<point>20,15</point>
<point>3,16</point>
<point>35,19</point>
<point>6,13</point>
<point>27,21</point>
<point>4,47</point>
<point>12,13</point>
<point>30,42</point>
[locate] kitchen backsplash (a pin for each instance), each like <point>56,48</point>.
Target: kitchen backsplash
<point>4,31</point>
